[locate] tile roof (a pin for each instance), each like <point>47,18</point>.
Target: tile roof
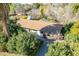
<point>33,24</point>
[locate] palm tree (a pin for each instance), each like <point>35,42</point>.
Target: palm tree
<point>4,10</point>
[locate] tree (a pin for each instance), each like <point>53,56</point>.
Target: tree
<point>4,10</point>
<point>12,11</point>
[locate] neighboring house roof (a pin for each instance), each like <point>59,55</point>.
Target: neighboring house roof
<point>33,24</point>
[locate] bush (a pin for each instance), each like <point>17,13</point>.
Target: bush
<point>36,5</point>
<point>0,27</point>
<point>24,43</point>
<point>24,17</point>
<point>13,27</point>
<point>75,46</point>
<point>66,28</point>
<point>2,38</point>
<point>3,42</point>
<point>71,37</point>
<point>66,48</point>
<point>73,33</point>
<point>59,49</point>
<point>75,8</point>
<point>42,11</point>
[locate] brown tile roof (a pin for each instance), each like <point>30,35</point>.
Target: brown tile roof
<point>33,24</point>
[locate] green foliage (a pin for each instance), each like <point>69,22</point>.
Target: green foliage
<point>24,17</point>
<point>43,9</point>
<point>3,42</point>
<point>36,5</point>
<point>75,7</point>
<point>72,37</point>
<point>66,28</point>
<point>59,49</point>
<point>24,43</point>
<point>12,8</point>
<point>2,38</point>
<point>42,13</point>
<point>66,48</point>
<point>13,27</point>
<point>74,45</point>
<point>73,34</point>
<point>0,27</point>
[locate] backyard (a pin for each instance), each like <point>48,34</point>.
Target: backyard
<point>39,29</point>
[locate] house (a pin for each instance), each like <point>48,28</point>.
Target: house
<point>41,28</point>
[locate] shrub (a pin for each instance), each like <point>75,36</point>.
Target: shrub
<point>24,17</point>
<point>3,42</point>
<point>66,28</point>
<point>43,9</point>
<point>72,37</point>
<point>13,27</point>
<point>2,38</point>
<point>75,46</point>
<point>66,48</point>
<point>59,49</point>
<point>0,27</point>
<point>36,5</point>
<point>24,43</point>
<point>75,28</point>
<point>75,8</point>
<point>73,33</point>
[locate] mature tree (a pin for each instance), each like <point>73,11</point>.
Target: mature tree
<point>4,10</point>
